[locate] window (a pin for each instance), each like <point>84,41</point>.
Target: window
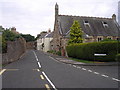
<point>86,23</point>
<point>99,39</point>
<point>109,38</point>
<point>117,38</point>
<point>105,24</point>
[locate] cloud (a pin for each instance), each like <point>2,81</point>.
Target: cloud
<point>34,16</point>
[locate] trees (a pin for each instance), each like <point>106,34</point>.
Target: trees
<point>7,35</point>
<point>75,33</point>
<point>28,37</point>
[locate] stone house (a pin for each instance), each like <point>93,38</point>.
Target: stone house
<point>43,42</point>
<point>94,29</point>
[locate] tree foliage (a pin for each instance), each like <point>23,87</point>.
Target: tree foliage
<point>75,33</point>
<point>7,35</point>
<point>28,37</point>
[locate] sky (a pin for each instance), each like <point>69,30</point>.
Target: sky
<point>35,16</point>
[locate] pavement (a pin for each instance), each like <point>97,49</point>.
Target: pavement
<point>69,61</point>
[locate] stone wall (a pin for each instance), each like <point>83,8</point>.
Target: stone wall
<point>14,50</point>
<point>30,45</point>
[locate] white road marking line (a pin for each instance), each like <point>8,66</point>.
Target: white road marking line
<point>89,70</point>
<point>49,80</point>
<point>116,79</point>
<point>38,70</point>
<point>2,71</point>
<point>39,64</point>
<point>83,69</point>
<point>41,76</point>
<point>35,55</point>
<point>96,73</point>
<point>74,66</point>
<point>78,67</point>
<point>54,59</point>
<point>104,75</point>
<point>47,86</point>
<point>37,59</point>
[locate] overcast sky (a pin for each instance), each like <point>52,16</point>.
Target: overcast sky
<point>34,16</point>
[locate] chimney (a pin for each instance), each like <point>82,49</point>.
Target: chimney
<point>49,31</point>
<point>114,17</point>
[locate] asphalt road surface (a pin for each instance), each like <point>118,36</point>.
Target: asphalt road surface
<point>38,70</point>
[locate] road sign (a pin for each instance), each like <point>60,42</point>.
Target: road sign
<point>100,54</point>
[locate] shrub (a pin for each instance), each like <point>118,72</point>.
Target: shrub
<point>118,57</point>
<point>86,51</point>
<point>52,51</point>
<point>58,53</point>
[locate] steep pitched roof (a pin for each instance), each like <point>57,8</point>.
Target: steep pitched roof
<point>42,35</point>
<point>95,26</point>
<point>49,35</point>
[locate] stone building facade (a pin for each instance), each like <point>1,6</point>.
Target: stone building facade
<point>94,29</point>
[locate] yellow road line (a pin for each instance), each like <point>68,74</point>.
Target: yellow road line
<point>2,71</point>
<point>42,77</point>
<point>12,69</point>
<point>47,86</point>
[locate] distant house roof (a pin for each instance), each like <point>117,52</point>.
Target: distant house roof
<point>92,26</point>
<point>49,35</point>
<point>42,35</point>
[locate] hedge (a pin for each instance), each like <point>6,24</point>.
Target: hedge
<point>118,57</point>
<point>86,51</point>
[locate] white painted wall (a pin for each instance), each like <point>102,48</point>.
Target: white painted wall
<point>47,44</point>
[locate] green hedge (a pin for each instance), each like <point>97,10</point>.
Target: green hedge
<point>86,51</point>
<point>118,57</point>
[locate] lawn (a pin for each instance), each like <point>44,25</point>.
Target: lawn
<point>83,61</point>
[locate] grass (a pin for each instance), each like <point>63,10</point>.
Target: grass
<point>84,61</point>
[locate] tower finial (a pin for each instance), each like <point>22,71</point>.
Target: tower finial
<point>56,9</point>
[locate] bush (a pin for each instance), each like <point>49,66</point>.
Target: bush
<point>118,57</point>
<point>52,51</point>
<point>55,52</point>
<point>58,53</point>
<point>86,51</point>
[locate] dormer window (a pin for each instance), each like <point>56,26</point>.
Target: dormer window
<point>86,23</point>
<point>105,24</point>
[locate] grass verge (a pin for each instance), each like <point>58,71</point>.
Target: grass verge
<point>83,61</point>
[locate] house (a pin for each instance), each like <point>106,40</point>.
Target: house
<point>13,29</point>
<point>43,42</point>
<point>40,40</point>
<point>94,29</point>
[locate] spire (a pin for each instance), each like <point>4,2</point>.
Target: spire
<point>56,9</point>
<point>56,5</point>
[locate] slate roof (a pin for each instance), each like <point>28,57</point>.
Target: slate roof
<point>95,25</point>
<point>42,35</point>
<point>49,35</point>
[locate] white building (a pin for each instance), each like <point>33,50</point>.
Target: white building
<point>43,42</point>
<point>47,39</point>
<point>40,41</point>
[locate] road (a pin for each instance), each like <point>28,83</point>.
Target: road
<point>38,70</point>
